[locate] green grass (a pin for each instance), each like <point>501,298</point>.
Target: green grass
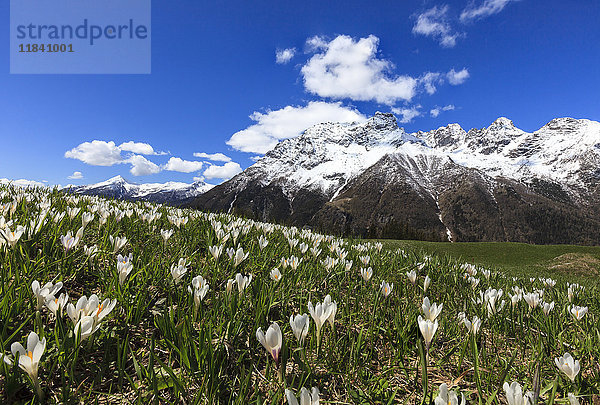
<point>518,259</point>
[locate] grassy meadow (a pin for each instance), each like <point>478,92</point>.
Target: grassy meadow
<point>119,302</point>
<point>567,262</point>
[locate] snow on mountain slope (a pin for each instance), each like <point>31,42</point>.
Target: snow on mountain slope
<point>565,150</point>
<point>118,187</point>
<point>326,156</point>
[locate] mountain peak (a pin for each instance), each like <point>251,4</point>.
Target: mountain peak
<point>564,123</point>
<point>379,129</point>
<point>502,122</point>
<point>116,179</point>
<point>381,120</point>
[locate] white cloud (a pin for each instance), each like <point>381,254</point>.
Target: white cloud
<point>284,55</point>
<point>432,79</point>
<point>429,80</point>
<point>288,122</point>
<point>434,23</point>
<point>23,183</point>
<point>76,176</point>
<point>487,8</point>
<point>455,78</point>
<point>345,68</point>
<point>407,114</point>
<point>96,153</point>
<point>437,110</point>
<point>227,171</point>
<point>315,44</point>
<point>176,164</point>
<point>140,166</point>
<point>137,147</point>
<point>103,153</point>
<point>215,157</point>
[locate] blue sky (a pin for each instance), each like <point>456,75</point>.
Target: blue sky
<point>216,85</point>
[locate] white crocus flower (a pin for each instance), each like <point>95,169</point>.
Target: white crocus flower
<point>547,307</point>
<point>124,267</point>
<point>514,299</point>
<point>293,262</point>
<point>446,397</point>
<point>177,271</point>
<point>412,276</point>
<point>315,251</point>
<point>72,212</point>
<point>568,365</point>
<point>330,262</point>
<point>43,292</point>
<point>571,292</point>
<point>303,247</point>
<point>69,241</point>
<point>90,251</point>
<point>300,325</point>
<point>514,394</point>
<point>474,326</point>
<point>491,297</point>
<point>320,313</point>
<point>78,310</point>
<point>533,299</point>
<point>431,311</point>
<point>366,273</point>
<point>90,307</point>
<point>12,237</point>
<point>262,242</point>
<point>85,327</point>
<point>306,397</point>
<point>117,242</point>
<point>573,399</point>
<point>333,306</point>
<point>86,218</point>
<point>578,312</point>
<point>428,329</point>
<point>386,289</point>
<point>166,234</point>
<point>200,288</point>
<point>29,359</point>
<point>57,305</point>
<point>239,257</point>
<point>242,281</point>
<point>229,286</point>
<point>216,251</point>
<point>275,274</point>
<point>426,283</point>
<point>272,340</point>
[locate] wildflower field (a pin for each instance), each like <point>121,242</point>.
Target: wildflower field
<point>118,302</point>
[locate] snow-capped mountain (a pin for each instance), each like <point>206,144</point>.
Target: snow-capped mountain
<point>170,192</point>
<point>565,150</point>
<point>373,178</point>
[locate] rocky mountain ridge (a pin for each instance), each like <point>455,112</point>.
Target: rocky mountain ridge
<point>119,188</point>
<point>374,179</point>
